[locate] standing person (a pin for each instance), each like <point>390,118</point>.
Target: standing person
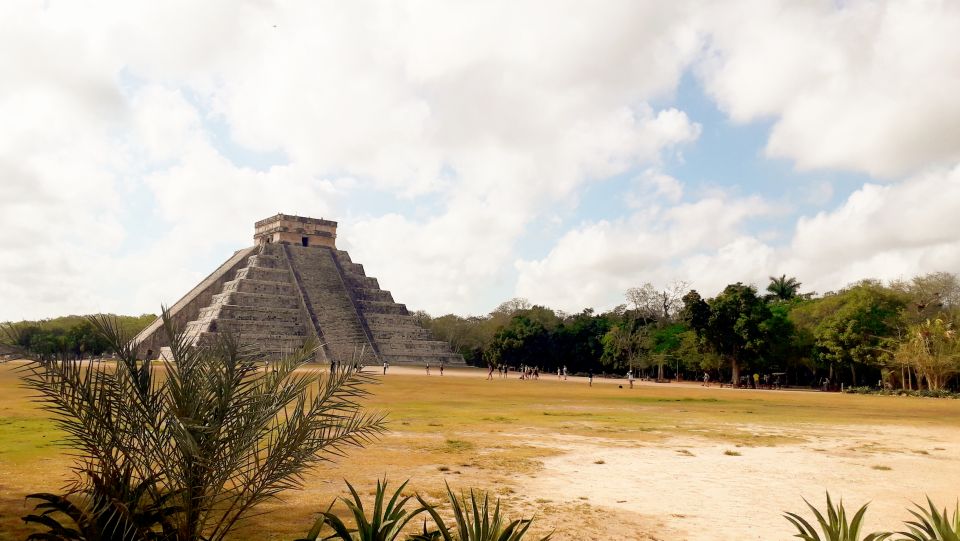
<point>564,372</point>
<point>428,369</point>
<point>558,373</point>
<point>441,368</point>
<point>706,379</point>
<point>490,371</point>
<point>756,380</point>
<point>385,368</point>
<point>590,377</point>
<point>630,377</point>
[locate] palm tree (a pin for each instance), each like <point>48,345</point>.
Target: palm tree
<point>783,288</point>
<point>195,444</point>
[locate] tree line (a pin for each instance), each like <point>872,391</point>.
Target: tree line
<point>70,337</point>
<point>900,334</point>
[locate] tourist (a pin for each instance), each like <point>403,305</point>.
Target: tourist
<point>385,364</point>
<point>706,380</point>
<point>630,377</point>
<point>558,373</point>
<point>441,368</point>
<point>428,369</point>
<point>490,371</point>
<point>756,380</point>
<point>590,377</point>
<point>564,372</point>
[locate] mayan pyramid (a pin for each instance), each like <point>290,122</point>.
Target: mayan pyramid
<point>292,285</point>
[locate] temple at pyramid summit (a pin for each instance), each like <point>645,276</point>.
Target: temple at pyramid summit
<point>294,284</point>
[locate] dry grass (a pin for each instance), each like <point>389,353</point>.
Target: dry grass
<point>486,434</point>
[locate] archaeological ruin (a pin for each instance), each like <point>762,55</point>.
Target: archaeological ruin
<point>293,284</point>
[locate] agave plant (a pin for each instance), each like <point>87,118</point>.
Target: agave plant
<point>207,443</point>
<point>476,521</point>
<point>385,523</point>
<point>835,526</point>
<point>933,525</point>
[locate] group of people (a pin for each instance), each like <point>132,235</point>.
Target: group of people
<point>442,363</point>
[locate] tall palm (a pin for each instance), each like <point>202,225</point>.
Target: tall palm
<point>783,288</point>
<point>210,434</point>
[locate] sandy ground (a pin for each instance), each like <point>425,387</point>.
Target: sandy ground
<point>706,494</point>
<point>691,489</point>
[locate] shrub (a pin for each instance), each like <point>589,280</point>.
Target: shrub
<point>835,526</point>
<point>191,454</point>
<point>933,525</point>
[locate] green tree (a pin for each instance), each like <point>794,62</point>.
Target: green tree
<point>783,288</point>
<point>522,341</point>
<point>732,324</point>
<point>933,349</point>
<point>858,327</point>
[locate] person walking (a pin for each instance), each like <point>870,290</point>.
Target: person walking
<point>590,377</point>
<point>385,364</point>
<point>630,377</point>
<point>756,380</point>
<point>490,371</point>
<point>428,369</point>
<point>564,372</point>
<point>441,367</point>
<point>706,379</point>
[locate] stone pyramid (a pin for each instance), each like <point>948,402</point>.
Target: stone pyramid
<point>293,284</point>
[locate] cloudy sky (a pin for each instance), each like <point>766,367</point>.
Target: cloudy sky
<point>561,151</point>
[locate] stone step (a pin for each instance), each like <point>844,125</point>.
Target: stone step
<point>260,286</point>
<point>378,295</point>
<point>260,313</point>
<point>240,326</point>
<point>417,333</point>
<point>264,274</point>
<point>381,307</point>
<point>258,300</point>
<point>414,347</point>
<point>450,359</point>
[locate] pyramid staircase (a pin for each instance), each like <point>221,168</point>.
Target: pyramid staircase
<point>285,294</point>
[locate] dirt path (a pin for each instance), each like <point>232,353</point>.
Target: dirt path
<point>702,493</point>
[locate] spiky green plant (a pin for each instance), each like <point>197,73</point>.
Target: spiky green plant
<point>932,524</point>
<point>216,437</point>
<point>384,523</point>
<point>477,521</point>
<point>835,526</point>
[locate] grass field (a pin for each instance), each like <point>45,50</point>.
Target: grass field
<point>667,461</point>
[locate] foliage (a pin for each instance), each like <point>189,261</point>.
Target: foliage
<point>120,510</point>
<point>932,524</point>
<point>783,288</point>
<point>736,324</point>
<point>385,523</point>
<point>933,349</point>
<point>835,526</point>
<point>214,438</point>
<point>922,393</point>
<point>857,325</point>
<point>476,521</point>
<point>72,337</point>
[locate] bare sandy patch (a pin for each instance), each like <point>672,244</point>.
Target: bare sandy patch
<point>706,490</point>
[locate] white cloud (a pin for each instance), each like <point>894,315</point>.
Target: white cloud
<point>867,86</point>
<point>702,242</point>
<point>118,189</point>
<point>881,232</point>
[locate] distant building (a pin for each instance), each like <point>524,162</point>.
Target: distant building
<point>294,284</point>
